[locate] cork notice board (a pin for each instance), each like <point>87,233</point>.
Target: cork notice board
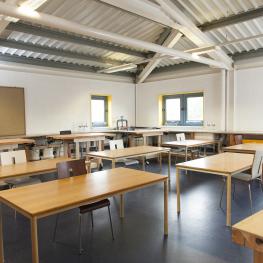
<point>12,111</point>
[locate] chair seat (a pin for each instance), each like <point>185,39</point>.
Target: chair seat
<point>94,206</point>
<point>242,177</point>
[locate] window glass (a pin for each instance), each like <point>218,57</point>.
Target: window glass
<point>173,110</point>
<point>195,109</point>
<point>99,111</point>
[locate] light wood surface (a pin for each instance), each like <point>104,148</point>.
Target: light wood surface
<point>128,152</point>
<point>41,199</point>
<point>16,141</point>
<point>188,143</point>
<point>244,148</point>
<point>77,136</point>
<point>224,164</point>
<point>36,201</point>
<point>30,168</point>
<point>249,233</point>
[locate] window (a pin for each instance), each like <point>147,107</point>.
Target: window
<point>99,111</point>
<point>183,109</point>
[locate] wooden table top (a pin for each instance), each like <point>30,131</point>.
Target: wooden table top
<point>128,152</point>
<point>188,143</point>
<point>251,225</point>
<point>59,195</point>
<point>141,131</point>
<point>77,135</point>
<point>223,163</point>
<point>245,148</point>
<point>30,168</point>
<point>16,141</point>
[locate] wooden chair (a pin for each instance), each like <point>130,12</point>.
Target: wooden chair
<point>238,139</point>
<point>75,168</point>
<point>247,178</point>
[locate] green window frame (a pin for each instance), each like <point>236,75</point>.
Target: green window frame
<point>105,100</point>
<point>183,99</point>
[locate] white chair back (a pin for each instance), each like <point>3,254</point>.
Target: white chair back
<point>20,156</point>
<point>12,157</point>
<point>180,137</point>
<point>116,144</point>
<point>257,165</point>
<point>7,158</point>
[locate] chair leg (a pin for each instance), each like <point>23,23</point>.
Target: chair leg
<point>92,222</point>
<point>55,229</point>
<point>112,234</point>
<point>80,234</point>
<point>250,198</point>
<point>222,193</point>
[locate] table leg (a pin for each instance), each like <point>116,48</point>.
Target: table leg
<point>159,140</point>
<point>160,162</point>
<point>165,208</point>
<point>186,151</point>
<point>122,206</point>
<point>34,240</point>
<point>228,205</point>
<point>77,150</point>
<point>1,236</point>
<point>258,257</point>
<point>169,166</point>
<point>66,148</point>
<point>143,163</point>
<point>113,164</point>
<point>178,190</point>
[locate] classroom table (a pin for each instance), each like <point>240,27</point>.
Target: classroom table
<point>249,233</point>
<point>188,144</point>
<point>30,168</point>
<point>12,143</point>
<point>131,152</point>
<point>78,138</point>
<point>144,133</point>
<point>223,164</point>
<point>41,200</point>
<point>244,148</point>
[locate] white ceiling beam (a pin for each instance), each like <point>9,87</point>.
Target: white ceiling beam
<point>144,8</point>
<point>73,27</point>
<point>34,4</point>
<point>171,40</point>
<point>190,30</point>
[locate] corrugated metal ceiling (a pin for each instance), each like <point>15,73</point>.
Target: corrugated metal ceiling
<point>102,16</point>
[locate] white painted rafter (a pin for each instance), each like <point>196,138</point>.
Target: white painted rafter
<point>171,40</point>
<point>190,30</point>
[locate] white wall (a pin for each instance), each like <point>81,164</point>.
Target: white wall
<point>211,84</point>
<point>56,102</point>
<point>248,115</point>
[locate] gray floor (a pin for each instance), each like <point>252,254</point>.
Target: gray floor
<point>198,235</point>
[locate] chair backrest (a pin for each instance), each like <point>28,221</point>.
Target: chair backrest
<point>116,144</point>
<point>71,168</point>
<point>7,158</point>
<point>257,165</point>
<point>20,156</point>
<point>65,132</point>
<point>238,139</point>
<point>13,157</point>
<point>180,137</point>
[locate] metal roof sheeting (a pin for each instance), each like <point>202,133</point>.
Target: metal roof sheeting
<point>96,14</point>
